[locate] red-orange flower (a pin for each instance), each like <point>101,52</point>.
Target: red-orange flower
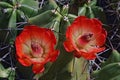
<point>85,37</point>
<point>35,46</point>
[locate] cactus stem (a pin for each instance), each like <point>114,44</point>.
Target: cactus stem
<point>56,11</point>
<point>55,22</point>
<point>85,66</point>
<point>80,69</point>
<point>73,67</point>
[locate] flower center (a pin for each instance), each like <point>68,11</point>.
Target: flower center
<point>36,48</point>
<point>84,39</point>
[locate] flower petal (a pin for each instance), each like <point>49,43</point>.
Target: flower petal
<point>35,45</point>
<point>25,61</point>
<point>88,56</point>
<point>76,27</point>
<point>92,53</point>
<point>90,26</point>
<point>54,55</point>
<point>100,39</point>
<point>68,46</point>
<point>77,54</point>
<point>96,26</point>
<point>38,68</point>
<point>85,37</point>
<point>104,32</point>
<point>19,48</point>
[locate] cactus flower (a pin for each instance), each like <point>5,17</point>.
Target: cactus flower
<point>35,46</point>
<point>85,37</point>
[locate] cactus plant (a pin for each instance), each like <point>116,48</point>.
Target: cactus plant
<point>72,27</point>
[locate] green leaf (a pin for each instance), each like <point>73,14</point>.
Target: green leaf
<point>43,18</point>
<point>12,27</point>
<point>8,11</point>
<point>71,17</point>
<point>93,3</point>
<point>28,10</point>
<point>12,75</point>
<point>89,12</point>
<point>108,72</point>
<point>1,67</point>
<point>31,3</point>
<point>98,12</point>
<point>109,67</point>
<point>12,21</point>
<point>82,10</point>
<point>53,4</point>
<point>4,73</point>
<point>50,6</point>
<point>20,15</point>
<point>92,11</point>
<point>114,57</point>
<point>5,5</point>
<point>14,2</point>
<point>4,21</point>
<point>86,10</point>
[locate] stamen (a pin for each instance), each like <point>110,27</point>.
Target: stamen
<point>85,38</point>
<point>36,48</point>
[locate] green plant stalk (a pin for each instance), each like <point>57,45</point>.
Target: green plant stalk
<point>80,69</point>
